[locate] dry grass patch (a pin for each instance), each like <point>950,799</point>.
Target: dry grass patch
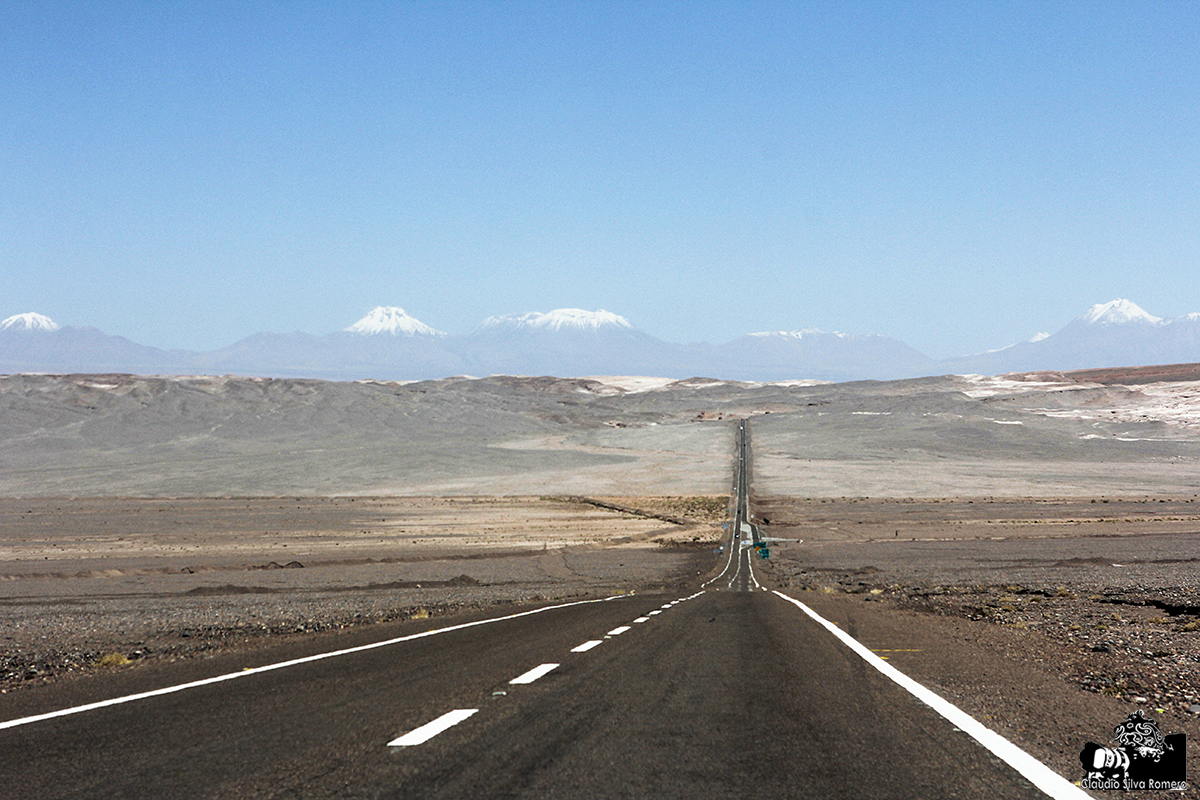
<point>113,660</point>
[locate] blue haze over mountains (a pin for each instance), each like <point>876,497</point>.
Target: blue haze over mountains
<point>390,345</point>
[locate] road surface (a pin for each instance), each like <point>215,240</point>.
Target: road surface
<point>722,690</point>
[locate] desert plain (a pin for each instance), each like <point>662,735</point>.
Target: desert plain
<point>1025,545</point>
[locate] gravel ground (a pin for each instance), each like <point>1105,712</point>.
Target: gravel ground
<point>1049,639</point>
<point>1142,646</point>
<point>1028,546</point>
<point>42,642</point>
<point>184,578</point>
<point>1114,598</point>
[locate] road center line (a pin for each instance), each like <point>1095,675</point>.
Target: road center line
<point>618,631</point>
<point>583,648</point>
<point>534,674</point>
<point>431,729</point>
<point>13,723</point>
<point>642,619</point>
<point>1034,771</point>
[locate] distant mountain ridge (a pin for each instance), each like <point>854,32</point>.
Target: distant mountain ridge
<point>389,344</point>
<point>826,356</point>
<point>1114,334</point>
<point>562,319</point>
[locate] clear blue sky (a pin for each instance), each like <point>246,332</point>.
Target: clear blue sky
<point>957,175</point>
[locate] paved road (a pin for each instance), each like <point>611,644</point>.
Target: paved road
<point>725,694</point>
<point>725,691</point>
<point>745,537</point>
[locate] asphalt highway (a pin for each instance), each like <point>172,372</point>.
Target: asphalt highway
<point>722,690</point>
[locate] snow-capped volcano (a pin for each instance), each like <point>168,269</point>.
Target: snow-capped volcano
<point>573,341</point>
<point>392,320</point>
<point>1118,333</point>
<point>35,343</point>
<point>569,319</point>
<point>566,341</point>
<point>1117,312</point>
<point>29,322</point>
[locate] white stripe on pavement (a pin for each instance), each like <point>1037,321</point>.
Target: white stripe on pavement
<point>1034,771</point>
<point>583,648</point>
<point>13,723</point>
<point>432,729</point>
<point>534,674</point>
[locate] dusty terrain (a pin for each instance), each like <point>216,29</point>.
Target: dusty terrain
<point>955,436</point>
<point>1051,619</point>
<point>86,583</point>
<point>1026,545</point>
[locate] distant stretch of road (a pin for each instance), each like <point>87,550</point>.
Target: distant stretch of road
<point>745,538</point>
<point>724,690</point>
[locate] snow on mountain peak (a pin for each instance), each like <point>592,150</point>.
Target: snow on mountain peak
<point>800,334</point>
<point>559,319</point>
<point>29,322</point>
<point>1118,312</point>
<point>393,320</point>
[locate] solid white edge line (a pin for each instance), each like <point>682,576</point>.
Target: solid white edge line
<point>728,562</point>
<point>13,723</point>
<point>533,674</point>
<point>583,648</point>
<point>737,571</point>
<point>431,729</point>
<point>1037,773</point>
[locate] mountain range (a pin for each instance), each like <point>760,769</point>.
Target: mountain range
<point>389,344</point>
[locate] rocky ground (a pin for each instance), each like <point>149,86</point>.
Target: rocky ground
<point>94,584</point>
<point>1049,620</point>
<point>1111,597</point>
<point>1137,645</point>
<point>1026,545</point>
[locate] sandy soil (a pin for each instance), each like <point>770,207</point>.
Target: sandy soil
<point>1024,544</point>
<point>1048,619</point>
<point>129,578</point>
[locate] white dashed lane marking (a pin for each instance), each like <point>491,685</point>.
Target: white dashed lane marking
<point>432,729</point>
<point>245,673</point>
<point>534,674</point>
<point>452,718</point>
